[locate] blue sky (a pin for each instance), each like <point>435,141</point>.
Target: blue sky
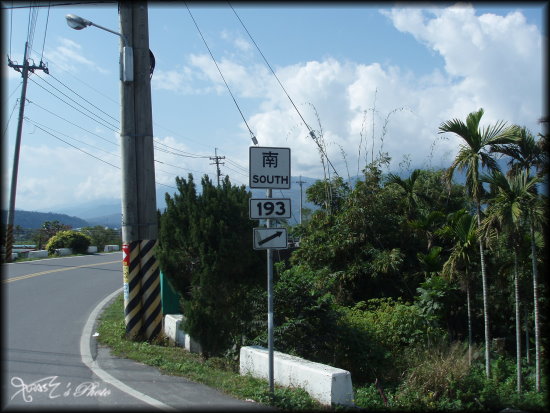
<point>412,66</point>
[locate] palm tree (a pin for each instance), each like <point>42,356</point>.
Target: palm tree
<point>461,229</point>
<point>472,153</point>
<point>507,211</point>
<point>524,155</point>
<point>408,185</point>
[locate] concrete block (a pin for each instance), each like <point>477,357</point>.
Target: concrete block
<point>63,251</point>
<point>92,249</point>
<point>329,385</point>
<point>172,330</point>
<point>38,254</point>
<point>109,248</point>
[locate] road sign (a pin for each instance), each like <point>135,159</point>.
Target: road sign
<point>270,238</point>
<point>269,167</point>
<point>269,208</point>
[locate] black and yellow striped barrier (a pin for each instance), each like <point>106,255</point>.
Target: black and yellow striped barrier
<point>141,277</point>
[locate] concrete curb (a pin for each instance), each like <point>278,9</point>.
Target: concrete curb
<point>329,385</point>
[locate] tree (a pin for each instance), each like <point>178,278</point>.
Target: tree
<point>461,229</point>
<point>473,152</point>
<point>205,248</point>
<point>78,242</point>
<point>507,212</point>
<point>50,228</point>
<point>102,236</point>
<point>524,155</point>
<point>408,185</point>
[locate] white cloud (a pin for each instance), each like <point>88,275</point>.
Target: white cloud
<point>67,53</point>
<point>88,179</point>
<point>491,61</point>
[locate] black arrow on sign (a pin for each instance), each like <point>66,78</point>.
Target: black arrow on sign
<point>277,234</point>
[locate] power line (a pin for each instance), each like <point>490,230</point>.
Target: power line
<point>72,3</point>
<point>110,125</point>
<point>72,123</point>
<point>253,137</point>
<point>45,31</point>
<point>237,165</point>
<point>311,132</point>
<point>9,119</point>
<point>70,137</point>
<point>84,99</point>
<point>76,147</point>
<point>89,154</point>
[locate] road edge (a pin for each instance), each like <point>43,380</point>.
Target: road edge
<point>88,360</point>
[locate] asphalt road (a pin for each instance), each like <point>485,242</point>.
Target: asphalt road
<point>47,305</point>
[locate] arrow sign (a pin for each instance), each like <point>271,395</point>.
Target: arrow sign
<point>270,238</point>
<point>277,234</point>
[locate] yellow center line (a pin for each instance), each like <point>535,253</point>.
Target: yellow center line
<point>36,274</point>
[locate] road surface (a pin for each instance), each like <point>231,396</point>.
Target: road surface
<point>47,361</point>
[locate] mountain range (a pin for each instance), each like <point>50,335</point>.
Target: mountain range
<point>107,212</point>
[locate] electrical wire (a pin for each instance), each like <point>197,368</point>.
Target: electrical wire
<point>311,132</point>
<point>11,25</point>
<point>72,123</point>
<point>73,3</point>
<point>110,127</point>
<point>45,32</point>
<point>79,104</point>
<point>253,137</point>
<point>76,147</point>
<point>236,164</point>
<point>87,153</point>
<point>70,137</point>
<point>77,94</point>
<point>9,119</point>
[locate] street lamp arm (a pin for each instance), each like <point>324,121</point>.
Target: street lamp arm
<point>79,23</point>
<point>125,41</point>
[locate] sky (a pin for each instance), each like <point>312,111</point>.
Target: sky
<point>366,78</point>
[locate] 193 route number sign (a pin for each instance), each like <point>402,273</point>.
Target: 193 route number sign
<point>269,208</point>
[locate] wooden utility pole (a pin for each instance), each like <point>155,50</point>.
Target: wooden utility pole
<point>141,276</point>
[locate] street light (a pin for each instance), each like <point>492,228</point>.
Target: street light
<point>127,63</point>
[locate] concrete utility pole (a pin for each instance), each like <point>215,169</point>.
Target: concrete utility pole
<point>142,305</point>
<point>24,69</point>
<point>217,162</point>
<point>300,182</point>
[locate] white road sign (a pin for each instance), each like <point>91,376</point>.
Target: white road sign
<point>269,167</point>
<point>273,238</point>
<point>272,208</point>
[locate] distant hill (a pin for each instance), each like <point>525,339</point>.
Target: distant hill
<point>33,219</point>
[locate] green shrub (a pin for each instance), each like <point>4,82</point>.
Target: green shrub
<point>77,241</point>
<point>382,330</point>
<point>305,319</point>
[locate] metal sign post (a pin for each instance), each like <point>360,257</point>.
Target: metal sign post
<point>270,309</point>
<point>269,168</point>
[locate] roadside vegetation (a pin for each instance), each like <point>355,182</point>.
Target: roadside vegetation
<point>427,290</point>
<point>217,372</point>
<point>54,234</point>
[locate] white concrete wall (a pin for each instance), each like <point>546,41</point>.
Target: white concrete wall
<point>329,385</point>
<point>172,330</point>
<point>109,248</point>
<point>92,249</point>
<point>38,254</point>
<point>63,251</point>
